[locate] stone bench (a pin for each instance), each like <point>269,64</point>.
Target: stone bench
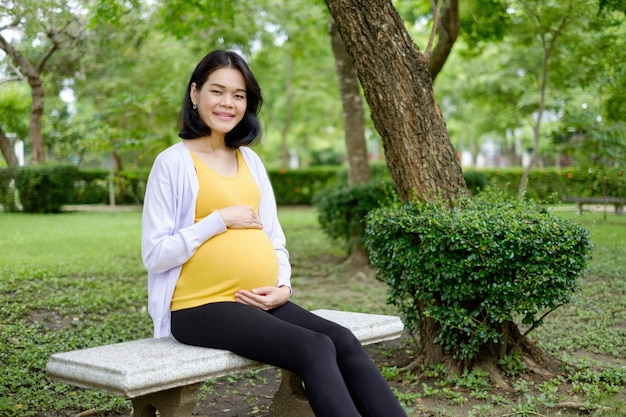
<point>164,375</point>
<point>617,202</point>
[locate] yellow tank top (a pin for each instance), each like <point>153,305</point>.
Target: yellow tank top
<point>233,260</point>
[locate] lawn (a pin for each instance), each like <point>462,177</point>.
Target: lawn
<point>75,280</point>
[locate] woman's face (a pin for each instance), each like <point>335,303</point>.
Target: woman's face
<point>222,100</point>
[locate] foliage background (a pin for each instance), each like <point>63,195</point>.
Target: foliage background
<point>113,92</point>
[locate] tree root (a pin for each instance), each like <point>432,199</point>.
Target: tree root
<point>87,413</point>
<point>495,376</point>
<point>534,367</point>
<point>415,364</point>
<point>579,406</point>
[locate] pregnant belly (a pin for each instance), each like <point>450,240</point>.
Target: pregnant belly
<point>234,260</point>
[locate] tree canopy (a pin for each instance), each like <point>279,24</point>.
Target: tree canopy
<point>124,65</point>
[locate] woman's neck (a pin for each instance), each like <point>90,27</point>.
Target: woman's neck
<point>207,144</point>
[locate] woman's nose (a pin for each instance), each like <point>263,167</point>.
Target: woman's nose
<point>227,100</point>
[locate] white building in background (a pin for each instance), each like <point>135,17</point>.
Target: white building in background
<point>488,155</point>
<point>18,148</point>
<point>294,161</point>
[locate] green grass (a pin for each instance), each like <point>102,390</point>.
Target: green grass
<point>595,323</point>
<point>76,280</point>
<point>67,281</point>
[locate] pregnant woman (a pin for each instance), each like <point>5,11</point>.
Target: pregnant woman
<point>218,270</point>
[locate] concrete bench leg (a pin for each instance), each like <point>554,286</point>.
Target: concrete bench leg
<point>290,399</point>
<point>175,402</point>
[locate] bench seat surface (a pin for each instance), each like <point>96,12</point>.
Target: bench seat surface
<point>141,367</point>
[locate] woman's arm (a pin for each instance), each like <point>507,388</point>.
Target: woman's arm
<point>169,235</point>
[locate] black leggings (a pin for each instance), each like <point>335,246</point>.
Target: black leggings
<point>340,379</point>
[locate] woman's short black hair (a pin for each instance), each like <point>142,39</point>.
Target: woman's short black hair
<point>249,128</point>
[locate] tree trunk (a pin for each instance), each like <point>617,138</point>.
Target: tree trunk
<point>353,118</point>
<point>7,150</point>
<point>38,150</point>
<point>33,76</point>
<point>288,113</point>
<point>398,88</point>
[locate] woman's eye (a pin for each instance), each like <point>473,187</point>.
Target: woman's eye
<point>216,92</point>
<point>240,97</point>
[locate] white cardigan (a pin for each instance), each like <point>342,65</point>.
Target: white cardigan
<point>169,236</point>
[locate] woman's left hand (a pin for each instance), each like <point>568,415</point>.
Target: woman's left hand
<point>265,298</point>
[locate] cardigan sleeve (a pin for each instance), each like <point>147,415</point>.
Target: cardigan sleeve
<point>169,235</point>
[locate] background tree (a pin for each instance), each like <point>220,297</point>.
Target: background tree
<point>286,44</point>
<point>14,110</point>
<point>597,145</point>
<point>35,32</point>
<point>541,25</point>
<point>478,99</point>
<point>131,84</point>
<point>491,91</point>
<point>592,129</point>
<point>476,22</point>
<point>296,68</point>
<point>353,115</point>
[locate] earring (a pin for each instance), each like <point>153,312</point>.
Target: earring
<point>195,106</point>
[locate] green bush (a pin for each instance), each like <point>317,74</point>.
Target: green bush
<point>543,183</point>
<point>475,181</point>
<point>342,209</point>
<point>297,187</point>
<point>489,260</point>
<point>91,187</point>
<point>45,188</point>
<point>131,186</point>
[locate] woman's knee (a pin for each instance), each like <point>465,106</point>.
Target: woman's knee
<point>317,347</point>
<point>344,340</point>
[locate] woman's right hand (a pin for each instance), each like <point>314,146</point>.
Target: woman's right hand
<point>240,217</point>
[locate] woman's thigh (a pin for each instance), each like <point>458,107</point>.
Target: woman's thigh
<point>282,337</point>
<point>343,339</point>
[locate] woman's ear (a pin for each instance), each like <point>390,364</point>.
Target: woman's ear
<point>193,93</point>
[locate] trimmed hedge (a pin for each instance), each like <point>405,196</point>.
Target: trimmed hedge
<point>7,189</point>
<point>298,187</point>
<point>91,187</point>
<point>488,261</point>
<point>545,182</point>
<point>341,209</point>
<point>45,188</point>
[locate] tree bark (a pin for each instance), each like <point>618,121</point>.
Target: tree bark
<point>398,88</point>
<point>38,149</point>
<point>7,150</point>
<point>33,76</point>
<point>353,118</point>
